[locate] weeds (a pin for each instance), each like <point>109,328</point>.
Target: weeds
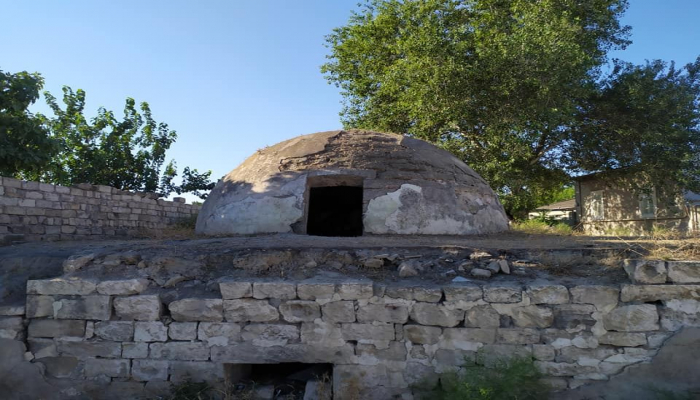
<point>539,227</point>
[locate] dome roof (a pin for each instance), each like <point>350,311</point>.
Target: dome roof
<point>403,186</point>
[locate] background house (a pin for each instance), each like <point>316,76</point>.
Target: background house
<point>561,211</point>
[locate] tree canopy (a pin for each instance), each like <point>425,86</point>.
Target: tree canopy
<point>516,88</point>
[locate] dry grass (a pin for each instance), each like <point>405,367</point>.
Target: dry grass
<point>537,227</point>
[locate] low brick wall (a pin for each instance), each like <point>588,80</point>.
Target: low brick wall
<point>40,211</point>
<point>382,339</point>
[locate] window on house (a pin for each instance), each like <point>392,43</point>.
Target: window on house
<point>597,209</point>
<point>647,205</point>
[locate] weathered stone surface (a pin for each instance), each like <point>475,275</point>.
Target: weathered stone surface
<point>247,353</point>
<point>138,308</point>
<point>315,290</point>
<point>76,262</point>
<point>649,293</point>
<point>249,310</point>
<point>235,290</point>
<point>39,306</point>
<point>532,317</point>
<point>275,290</point>
<point>427,294</point>
<point>111,368</point>
<point>493,354</point>
<point>118,331</point>
<point>684,271</point>
<point>454,358</point>
<point>399,292</point>
<point>135,350</point>
<point>86,307</point>
<point>518,336</point>
<point>210,310</point>
<point>182,331</point>
<point>355,290</point>
<point>482,317</point>
<point>367,332</point>
<point>480,273</point>
<point>300,310</point>
<point>470,339</point>
<point>339,311</point>
<point>219,334</point>
<point>56,328</point>
<point>65,286</point>
<point>435,314</point>
<point>369,354</point>
<point>543,352</point>
<point>320,333</point>
<point>574,316</point>
<point>150,332</point>
<point>122,287</point>
<point>503,294</point>
<point>89,349</point>
<point>589,357</point>
<point>548,294</point>
<point>149,370</point>
<point>646,271</point>
<point>12,310</point>
<point>267,335</point>
<point>623,339</point>
<point>633,318</point>
<point>604,298</point>
<point>42,348</point>
<point>63,367</point>
<point>11,328</point>
<point>408,269</point>
<point>185,351</point>
<point>397,313</point>
<point>422,334</point>
<point>563,369</point>
<point>195,371</point>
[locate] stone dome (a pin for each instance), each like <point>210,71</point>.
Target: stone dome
<point>350,183</point>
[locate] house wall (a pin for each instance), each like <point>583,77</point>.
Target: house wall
<point>621,211</point>
<point>41,211</point>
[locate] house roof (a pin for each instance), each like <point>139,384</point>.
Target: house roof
<point>560,205</point>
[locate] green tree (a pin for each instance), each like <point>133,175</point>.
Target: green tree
<point>127,154</point>
<point>497,82</point>
<point>25,143</point>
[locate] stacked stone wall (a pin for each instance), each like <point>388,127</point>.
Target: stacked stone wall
<point>383,340</point>
<point>40,211</point>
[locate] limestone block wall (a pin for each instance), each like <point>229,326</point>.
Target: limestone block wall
<point>41,211</point>
<point>95,336</point>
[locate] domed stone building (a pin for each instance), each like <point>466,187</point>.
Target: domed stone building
<point>351,183</point>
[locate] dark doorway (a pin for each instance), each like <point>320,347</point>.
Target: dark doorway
<point>335,211</point>
<point>282,381</point>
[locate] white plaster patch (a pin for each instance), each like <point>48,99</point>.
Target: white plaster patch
<point>257,215</point>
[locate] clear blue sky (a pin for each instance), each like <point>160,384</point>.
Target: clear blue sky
<point>233,76</point>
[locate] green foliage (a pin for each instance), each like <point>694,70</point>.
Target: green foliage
<point>517,378</point>
<point>189,390</point>
<point>542,226</point>
<point>25,143</point>
<point>125,153</point>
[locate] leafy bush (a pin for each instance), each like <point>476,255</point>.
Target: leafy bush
<point>517,378</point>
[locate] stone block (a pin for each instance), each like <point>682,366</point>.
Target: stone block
<point>574,316</point>
<point>300,310</point>
<point>646,271</point>
<point>355,290</point>
<point>149,370</point>
<point>623,339</point>
<point>650,293</point>
<point>39,306</point>
<point>64,286</point>
<point>138,308</point>
<point>532,317</point>
<point>247,353</point>
<point>518,336</point>
<point>315,290</point>
<point>548,294</point>
<point>89,349</point>
<point>590,357</point>
<point>235,290</point>
<point>210,310</point>
<point>427,294</point>
<point>182,331</point>
<point>219,334</point>
<point>543,352</point>
<point>320,333</point>
<point>684,271</point>
<point>118,331</point>
<point>367,332</point>
<point>153,331</point>
<point>195,371</point>
<point>112,368</point>
<point>563,369</point>
<point>63,367</point>
<point>11,328</point>
<point>396,313</point>
<point>436,314</point>
<point>399,292</point>
<point>42,348</point>
<point>339,311</point>
<point>492,355</point>
<point>470,339</point>
<point>135,350</point>
<point>503,294</point>
<point>86,307</point>
<point>51,328</point>
<point>275,290</point>
<point>12,310</point>
<point>267,335</point>
<point>243,310</point>
<point>422,334</point>
<point>369,354</point>
<point>454,358</point>
<point>633,318</point>
<point>482,317</point>
<point>185,351</point>
<point>604,298</point>
<point>122,287</point>
<point>463,293</point>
